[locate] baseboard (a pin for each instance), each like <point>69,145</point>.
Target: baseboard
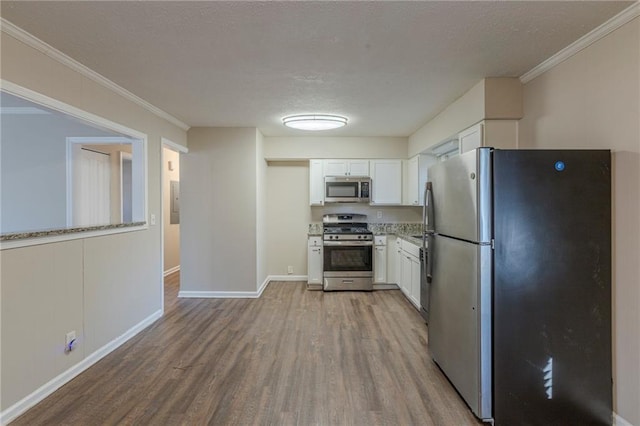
<point>264,285</point>
<point>171,270</point>
<point>54,384</point>
<point>620,421</point>
<point>240,294</point>
<point>288,278</point>
<point>218,294</point>
<point>385,287</point>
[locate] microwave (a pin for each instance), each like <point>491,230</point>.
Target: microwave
<point>338,189</point>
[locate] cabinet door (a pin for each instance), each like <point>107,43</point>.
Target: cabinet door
<point>398,264</point>
<point>386,176</point>
<point>314,265</point>
<point>406,275</point>
<point>470,138</point>
<point>412,182</point>
<point>415,281</point>
<point>358,168</point>
<point>335,167</point>
<point>380,265</point>
<point>316,183</point>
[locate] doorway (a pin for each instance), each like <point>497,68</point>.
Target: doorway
<point>170,174</point>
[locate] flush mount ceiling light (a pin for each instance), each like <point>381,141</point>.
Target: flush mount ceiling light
<point>314,121</point>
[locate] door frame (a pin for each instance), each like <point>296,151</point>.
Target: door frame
<point>169,144</point>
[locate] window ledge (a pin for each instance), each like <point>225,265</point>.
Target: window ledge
<point>22,239</point>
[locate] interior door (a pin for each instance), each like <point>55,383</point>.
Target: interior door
<point>91,188</point>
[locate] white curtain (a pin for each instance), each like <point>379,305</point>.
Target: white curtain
<point>92,189</point>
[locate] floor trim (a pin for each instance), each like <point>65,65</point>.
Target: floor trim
<point>171,270</point>
<point>620,421</point>
<point>54,384</point>
<point>240,294</point>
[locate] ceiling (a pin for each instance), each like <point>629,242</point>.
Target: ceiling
<point>388,66</point>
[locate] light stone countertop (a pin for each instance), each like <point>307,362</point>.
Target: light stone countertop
<point>63,231</point>
<point>401,230</point>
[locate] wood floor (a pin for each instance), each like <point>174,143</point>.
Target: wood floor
<point>290,357</point>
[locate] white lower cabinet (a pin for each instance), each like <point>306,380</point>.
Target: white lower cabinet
<point>409,280</point>
<point>380,259</point>
<point>415,282</point>
<point>314,262</point>
<point>397,253</point>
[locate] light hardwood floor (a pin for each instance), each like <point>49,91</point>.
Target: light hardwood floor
<point>290,357</point>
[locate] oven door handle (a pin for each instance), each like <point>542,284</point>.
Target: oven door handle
<point>348,243</point>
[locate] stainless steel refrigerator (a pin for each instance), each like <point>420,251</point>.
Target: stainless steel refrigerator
<point>519,264</point>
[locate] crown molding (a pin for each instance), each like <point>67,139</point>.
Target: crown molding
<point>31,41</point>
<point>585,41</point>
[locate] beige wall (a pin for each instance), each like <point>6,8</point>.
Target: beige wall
<point>171,231</point>
<point>100,287</point>
<point>219,210</point>
<point>491,99</point>
<point>592,101</point>
<point>461,114</point>
<point>306,147</point>
<point>261,211</point>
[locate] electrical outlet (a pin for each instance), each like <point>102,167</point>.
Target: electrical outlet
<point>289,270</point>
<point>70,341</point>
<point>379,214</point>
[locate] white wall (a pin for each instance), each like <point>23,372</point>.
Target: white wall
<point>100,287</point>
<point>219,211</point>
<point>171,231</point>
<point>592,101</point>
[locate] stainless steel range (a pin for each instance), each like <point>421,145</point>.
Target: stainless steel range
<point>348,252</point>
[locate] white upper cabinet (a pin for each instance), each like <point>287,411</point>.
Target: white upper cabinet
<point>346,167</point>
<point>417,178</point>
<point>386,182</point>
<point>316,183</point>
<point>471,138</point>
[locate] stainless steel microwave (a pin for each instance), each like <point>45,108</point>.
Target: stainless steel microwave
<point>338,189</point>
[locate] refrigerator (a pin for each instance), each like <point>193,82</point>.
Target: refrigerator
<point>519,272</point>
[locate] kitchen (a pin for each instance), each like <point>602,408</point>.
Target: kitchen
<point>285,177</point>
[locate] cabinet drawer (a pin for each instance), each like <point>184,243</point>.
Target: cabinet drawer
<point>315,241</point>
<point>380,240</point>
<point>411,248</point>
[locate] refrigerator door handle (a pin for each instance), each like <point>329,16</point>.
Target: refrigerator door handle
<point>428,212</point>
<point>428,254</point>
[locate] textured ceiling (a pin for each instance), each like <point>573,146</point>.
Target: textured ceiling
<point>388,66</point>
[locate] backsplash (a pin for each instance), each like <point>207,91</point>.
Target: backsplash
<point>379,228</point>
<point>396,228</point>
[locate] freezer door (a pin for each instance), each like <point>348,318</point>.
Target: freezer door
<point>460,318</point>
<point>552,289</point>
<point>462,199</point>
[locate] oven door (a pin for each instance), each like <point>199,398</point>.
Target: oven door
<point>348,265</point>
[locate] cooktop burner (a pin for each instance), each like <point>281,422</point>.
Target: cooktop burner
<point>346,230</point>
